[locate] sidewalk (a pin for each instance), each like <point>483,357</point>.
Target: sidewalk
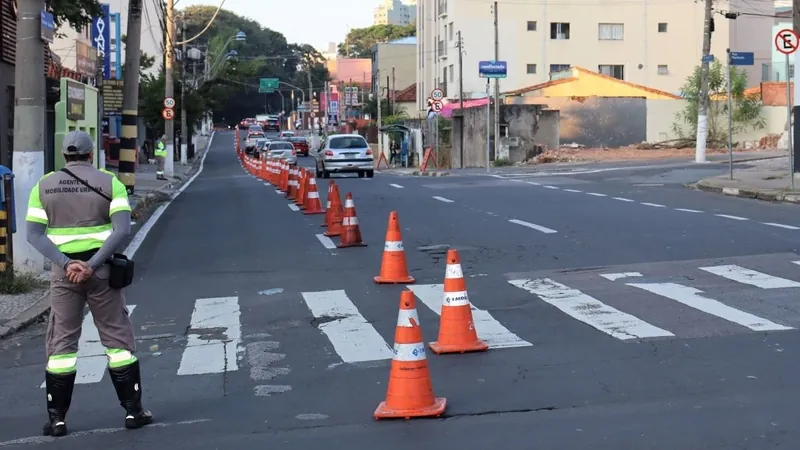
<point>413,172</point>
<point>19,311</point>
<point>765,180</point>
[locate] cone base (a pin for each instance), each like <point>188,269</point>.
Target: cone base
<point>477,346</point>
<point>434,410</point>
<point>329,234</point>
<point>381,280</point>
<point>308,213</point>
<point>360,244</point>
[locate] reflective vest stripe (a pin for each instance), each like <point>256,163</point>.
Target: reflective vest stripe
<point>36,215</point>
<point>161,150</point>
<point>79,239</point>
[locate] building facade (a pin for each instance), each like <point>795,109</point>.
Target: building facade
<point>648,42</point>
<point>396,12</point>
<point>396,58</point>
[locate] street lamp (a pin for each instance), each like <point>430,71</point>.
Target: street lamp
<point>240,36</point>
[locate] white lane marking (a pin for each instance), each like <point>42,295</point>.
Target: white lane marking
<point>293,207</point>
<point>780,225</point>
<point>279,192</point>
<point>688,210</point>
<point>551,187</point>
<point>92,359</point>
<point>747,276</point>
<point>499,176</point>
<point>442,199</point>
<point>654,205</point>
<point>533,226</point>
<point>596,194</point>
<point>623,199</point>
<point>796,262</point>
<point>488,328</point>
<point>573,190</point>
<point>730,191</point>
<point>691,297</point>
<point>353,338</point>
<point>140,236</point>
<point>590,311</point>
<point>534,183</point>
<point>214,334</point>
<point>731,217</point>
<point>396,186</point>
<point>617,276</point>
<point>326,242</point>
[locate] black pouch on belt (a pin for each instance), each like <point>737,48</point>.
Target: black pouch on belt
<point>121,272</point>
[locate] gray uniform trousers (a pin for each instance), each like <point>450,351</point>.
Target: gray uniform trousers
<point>161,160</point>
<point>67,301</point>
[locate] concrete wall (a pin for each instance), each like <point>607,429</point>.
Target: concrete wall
<point>6,113</point>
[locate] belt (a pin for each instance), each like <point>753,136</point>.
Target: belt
<point>82,256</point>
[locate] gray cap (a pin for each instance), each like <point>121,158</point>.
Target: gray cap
<point>77,143</point>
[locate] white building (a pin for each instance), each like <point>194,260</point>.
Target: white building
<point>330,52</point>
<point>396,12</point>
<point>648,42</point>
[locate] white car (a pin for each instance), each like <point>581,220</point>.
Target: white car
<point>345,153</point>
<point>286,135</point>
<point>252,139</point>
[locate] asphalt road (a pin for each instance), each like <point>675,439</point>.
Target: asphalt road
<point>621,314</point>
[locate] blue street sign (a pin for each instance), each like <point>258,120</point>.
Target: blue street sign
<point>707,58</point>
<point>742,59</point>
<point>48,27</point>
<point>101,38</point>
<point>492,69</point>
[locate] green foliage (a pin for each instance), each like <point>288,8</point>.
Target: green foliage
<point>77,13</point>
<point>232,91</point>
<point>748,111</point>
<point>151,96</point>
<point>359,41</point>
<point>19,283</point>
<point>371,107</point>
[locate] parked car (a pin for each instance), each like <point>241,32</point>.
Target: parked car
<point>282,150</point>
<point>250,142</point>
<point>300,144</point>
<point>345,153</point>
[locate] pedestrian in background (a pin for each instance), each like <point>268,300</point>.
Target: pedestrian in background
<point>161,157</point>
<point>77,218</point>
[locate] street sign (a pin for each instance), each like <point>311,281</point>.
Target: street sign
<point>492,69</point>
<point>269,83</point>
<point>437,94</point>
<point>742,58</point>
<point>786,41</point>
<point>437,105</point>
<point>262,90</point>
<point>169,103</point>
<point>334,105</point>
<point>168,114</point>
<point>48,27</point>
<point>707,58</point>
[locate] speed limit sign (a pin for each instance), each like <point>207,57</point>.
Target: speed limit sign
<point>169,102</point>
<point>168,113</point>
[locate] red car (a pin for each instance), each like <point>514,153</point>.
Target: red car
<point>245,124</point>
<point>300,145</point>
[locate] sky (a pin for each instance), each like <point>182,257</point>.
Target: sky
<point>314,22</point>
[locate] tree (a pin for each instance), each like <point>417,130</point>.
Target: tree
<point>359,41</point>
<point>78,13</point>
<point>748,111</point>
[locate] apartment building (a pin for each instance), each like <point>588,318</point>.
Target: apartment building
<point>395,12</point>
<point>395,59</point>
<point>656,43</point>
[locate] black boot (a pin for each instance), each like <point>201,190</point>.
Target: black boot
<point>59,397</point>
<point>128,384</point>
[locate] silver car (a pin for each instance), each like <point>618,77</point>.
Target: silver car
<point>345,153</point>
<point>282,150</point>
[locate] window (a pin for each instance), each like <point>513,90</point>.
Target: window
<point>663,69</point>
<point>445,30</point>
<point>451,31</point>
<point>451,73</point>
<point>662,27</point>
<point>610,31</point>
<point>616,71</point>
<point>558,67</point>
<point>559,31</point>
<point>531,69</point>
<point>531,25</point>
<point>347,142</point>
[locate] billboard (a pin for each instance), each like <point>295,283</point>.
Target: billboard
<point>101,39</point>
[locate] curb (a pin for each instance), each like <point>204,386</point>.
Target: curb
<point>29,316</point>
<point>417,173</point>
<point>770,196</point>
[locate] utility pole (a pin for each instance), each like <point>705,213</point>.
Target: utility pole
<point>795,117</point>
<point>130,97</point>
<point>184,130</point>
<point>29,113</point>
<point>310,96</point>
<point>702,111</point>
<point>101,153</point>
<point>394,94</point>
<point>497,87</point>
<point>459,45</point>
<point>378,97</point>
<point>169,85</point>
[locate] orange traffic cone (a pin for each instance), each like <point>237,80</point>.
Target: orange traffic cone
<point>328,213</point>
<point>393,265</point>
<point>410,392</point>
<point>313,205</point>
<point>335,227</point>
<point>283,187</point>
<point>351,234</point>
<point>291,193</point>
<point>457,332</point>
<point>300,200</point>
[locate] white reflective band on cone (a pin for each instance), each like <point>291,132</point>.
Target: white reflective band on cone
<point>313,195</point>
<point>349,203</point>
<point>409,352</point>
<point>351,221</point>
<point>405,316</point>
<point>453,271</point>
<point>313,181</point>
<point>460,298</point>
<point>327,205</point>
<point>393,246</point>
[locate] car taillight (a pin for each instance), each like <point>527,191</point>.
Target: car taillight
<point>369,151</point>
<point>294,152</point>
<point>328,153</point>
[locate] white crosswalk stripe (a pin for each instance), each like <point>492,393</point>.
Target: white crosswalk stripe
<point>214,336</point>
